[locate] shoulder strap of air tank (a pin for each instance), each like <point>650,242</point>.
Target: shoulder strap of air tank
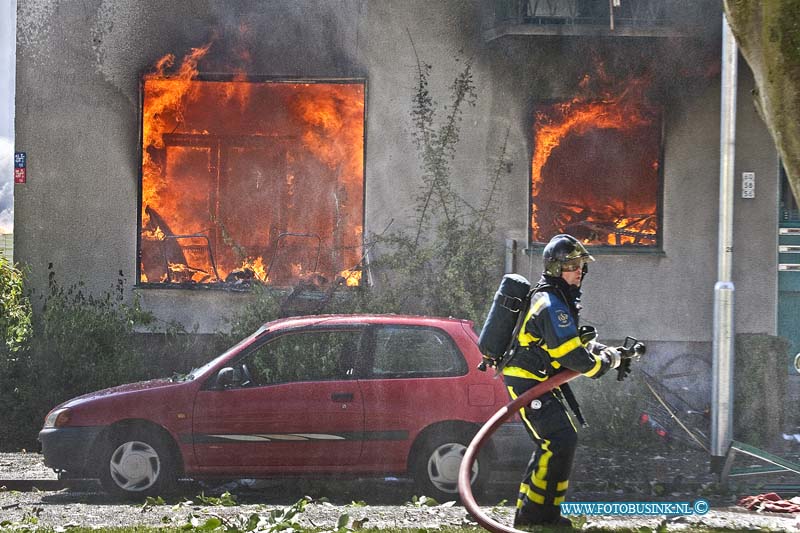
<point>543,286</point>
<point>523,313</point>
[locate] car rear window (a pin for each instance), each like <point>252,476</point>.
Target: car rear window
<point>405,351</point>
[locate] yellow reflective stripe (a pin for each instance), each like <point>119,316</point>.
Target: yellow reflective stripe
<point>559,500</point>
<point>544,460</point>
<point>532,496</point>
<point>525,339</point>
<point>517,372</point>
<point>539,487</point>
<point>555,364</point>
<point>522,413</point>
<point>565,348</point>
<point>562,486</point>
<point>595,369</point>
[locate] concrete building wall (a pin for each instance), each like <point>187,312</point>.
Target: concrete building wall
<point>78,73</point>
<point>673,293</point>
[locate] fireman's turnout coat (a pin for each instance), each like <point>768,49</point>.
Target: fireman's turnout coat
<point>549,339</point>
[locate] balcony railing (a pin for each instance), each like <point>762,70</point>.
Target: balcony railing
<point>642,18</point>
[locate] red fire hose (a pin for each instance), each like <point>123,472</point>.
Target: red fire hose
<point>464,488</point>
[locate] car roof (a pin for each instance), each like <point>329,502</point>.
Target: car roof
<point>345,320</point>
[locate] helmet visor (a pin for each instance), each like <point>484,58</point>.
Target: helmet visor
<point>579,263</point>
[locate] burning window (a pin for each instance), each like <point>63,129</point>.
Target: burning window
<point>595,170</point>
<point>245,179</point>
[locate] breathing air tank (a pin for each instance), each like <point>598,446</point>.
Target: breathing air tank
<point>509,301</point>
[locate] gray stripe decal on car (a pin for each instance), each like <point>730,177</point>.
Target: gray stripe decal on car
<point>199,438</point>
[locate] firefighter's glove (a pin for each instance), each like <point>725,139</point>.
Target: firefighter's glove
<point>587,334</point>
<point>491,362</point>
<point>611,356</point>
<point>595,348</point>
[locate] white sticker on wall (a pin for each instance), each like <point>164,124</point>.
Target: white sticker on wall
<point>748,184</point>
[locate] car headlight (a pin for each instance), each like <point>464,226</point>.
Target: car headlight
<point>57,418</point>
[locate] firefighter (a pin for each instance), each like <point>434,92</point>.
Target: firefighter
<point>549,339</point>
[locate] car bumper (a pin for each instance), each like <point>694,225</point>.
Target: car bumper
<point>69,449</point>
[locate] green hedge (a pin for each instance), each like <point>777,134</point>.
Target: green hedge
<point>75,343</point>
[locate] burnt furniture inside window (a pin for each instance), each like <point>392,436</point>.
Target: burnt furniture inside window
<point>247,180</point>
<point>596,174</point>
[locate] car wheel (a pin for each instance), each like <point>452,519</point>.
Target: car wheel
<point>137,464</point>
<point>437,464</point>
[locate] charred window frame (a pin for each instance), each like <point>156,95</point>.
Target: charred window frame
<point>656,246</point>
<point>198,244</point>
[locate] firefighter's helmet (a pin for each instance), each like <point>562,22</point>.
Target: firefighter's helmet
<point>564,253</point>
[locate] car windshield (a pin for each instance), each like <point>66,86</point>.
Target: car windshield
<point>197,372</point>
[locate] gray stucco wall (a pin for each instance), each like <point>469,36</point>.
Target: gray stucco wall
<point>673,293</point>
<point>77,117</point>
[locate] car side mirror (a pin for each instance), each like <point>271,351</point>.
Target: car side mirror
<point>225,378</point>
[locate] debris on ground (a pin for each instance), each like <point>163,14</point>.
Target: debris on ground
<point>771,502</point>
<point>601,477</point>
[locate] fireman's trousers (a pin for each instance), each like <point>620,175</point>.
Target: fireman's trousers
<point>547,477</point>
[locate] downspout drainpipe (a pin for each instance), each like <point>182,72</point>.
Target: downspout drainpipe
<point>723,342</point>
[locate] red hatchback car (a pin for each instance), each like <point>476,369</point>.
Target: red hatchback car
<point>339,394</point>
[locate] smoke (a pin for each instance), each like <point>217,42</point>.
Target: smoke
<point>6,185</point>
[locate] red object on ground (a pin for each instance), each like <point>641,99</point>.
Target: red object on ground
<point>771,502</point>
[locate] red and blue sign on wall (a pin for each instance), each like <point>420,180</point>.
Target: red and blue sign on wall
<point>20,167</point>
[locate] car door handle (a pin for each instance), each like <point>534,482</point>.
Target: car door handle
<point>342,396</point>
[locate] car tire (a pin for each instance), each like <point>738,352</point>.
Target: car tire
<point>438,461</point>
<point>137,464</point>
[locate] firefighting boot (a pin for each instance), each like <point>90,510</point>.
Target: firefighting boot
<point>541,519</point>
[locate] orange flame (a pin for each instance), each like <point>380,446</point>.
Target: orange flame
<point>623,109</point>
<point>239,162</point>
<point>256,265</point>
<point>352,278</point>
<point>163,112</point>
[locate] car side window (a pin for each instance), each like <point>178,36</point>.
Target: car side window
<point>303,356</point>
<point>403,351</point>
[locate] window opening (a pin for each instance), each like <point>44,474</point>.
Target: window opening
<point>251,180</point>
<point>596,168</point>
